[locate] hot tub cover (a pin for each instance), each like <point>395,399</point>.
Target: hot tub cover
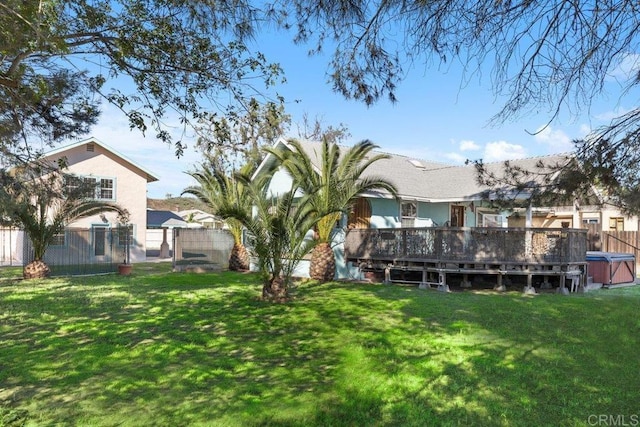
<point>609,256</point>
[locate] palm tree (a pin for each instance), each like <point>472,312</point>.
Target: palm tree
<point>217,188</point>
<point>43,206</point>
<point>332,186</point>
<point>278,228</point>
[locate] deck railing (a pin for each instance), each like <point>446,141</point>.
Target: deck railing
<point>490,245</point>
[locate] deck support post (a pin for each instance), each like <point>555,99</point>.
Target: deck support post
<point>387,275</point>
<point>529,289</point>
<point>546,284</point>
<point>499,286</point>
<point>442,286</point>
<point>465,281</point>
<point>562,289</point>
<point>424,284</point>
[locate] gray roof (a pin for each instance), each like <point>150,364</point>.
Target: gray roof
<point>428,180</point>
<point>164,219</point>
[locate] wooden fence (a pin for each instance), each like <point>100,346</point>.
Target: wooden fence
<point>489,245</point>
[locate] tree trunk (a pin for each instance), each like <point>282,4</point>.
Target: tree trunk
<point>275,290</point>
<point>323,263</point>
<point>239,259</point>
<point>36,270</point>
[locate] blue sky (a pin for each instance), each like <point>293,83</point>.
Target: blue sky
<point>435,118</point>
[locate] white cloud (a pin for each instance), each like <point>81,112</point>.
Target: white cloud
<point>502,150</point>
<point>555,139</point>
<point>455,157</point>
<point>607,116</point>
<point>468,145</point>
<point>585,130</point>
<point>626,68</point>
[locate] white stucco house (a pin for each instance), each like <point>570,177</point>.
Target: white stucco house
<point>117,179</point>
<point>197,218</point>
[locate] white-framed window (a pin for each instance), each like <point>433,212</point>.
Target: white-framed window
<point>59,239</point>
<point>408,213</point>
<point>492,220</point>
<point>98,188</point>
<point>590,221</point>
<point>104,190</point>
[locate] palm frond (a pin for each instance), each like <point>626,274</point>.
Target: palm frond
<point>336,181</point>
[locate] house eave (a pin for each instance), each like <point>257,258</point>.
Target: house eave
<point>150,176</point>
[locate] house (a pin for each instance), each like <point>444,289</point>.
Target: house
<point>198,218</point>
<point>118,180</point>
<point>159,219</point>
<point>438,194</point>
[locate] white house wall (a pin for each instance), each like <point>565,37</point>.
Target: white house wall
<point>281,183</point>
<point>130,191</point>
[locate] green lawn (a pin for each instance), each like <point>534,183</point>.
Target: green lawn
<point>176,349</point>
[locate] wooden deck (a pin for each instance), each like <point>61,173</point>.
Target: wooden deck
<point>550,253</point>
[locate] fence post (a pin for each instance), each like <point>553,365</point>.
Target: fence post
<point>176,246</point>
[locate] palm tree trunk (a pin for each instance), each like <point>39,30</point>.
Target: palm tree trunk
<point>323,263</point>
<point>275,290</point>
<point>37,269</point>
<point>239,259</point>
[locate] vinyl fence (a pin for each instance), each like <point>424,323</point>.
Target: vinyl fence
<point>202,246</point>
<point>11,247</point>
<point>85,251</point>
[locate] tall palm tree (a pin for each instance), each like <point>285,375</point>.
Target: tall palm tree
<point>43,206</point>
<point>278,227</point>
<point>331,186</point>
<point>216,188</point>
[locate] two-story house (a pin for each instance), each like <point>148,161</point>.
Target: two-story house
<point>117,179</point>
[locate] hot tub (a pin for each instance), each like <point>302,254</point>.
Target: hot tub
<point>611,268</point>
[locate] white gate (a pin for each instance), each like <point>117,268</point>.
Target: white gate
<point>11,246</point>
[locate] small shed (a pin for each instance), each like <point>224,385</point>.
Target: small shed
<point>611,268</point>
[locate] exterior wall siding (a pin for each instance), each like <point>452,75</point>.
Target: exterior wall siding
<point>130,189</point>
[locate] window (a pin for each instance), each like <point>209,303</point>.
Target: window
<point>105,191</point>
<point>616,223</point>
<point>125,235</point>
<point>492,220</point>
<point>90,187</point>
<point>408,213</point>
<point>590,221</point>
<point>58,239</point>
<point>76,186</point>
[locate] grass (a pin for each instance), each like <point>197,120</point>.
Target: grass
<point>162,348</point>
